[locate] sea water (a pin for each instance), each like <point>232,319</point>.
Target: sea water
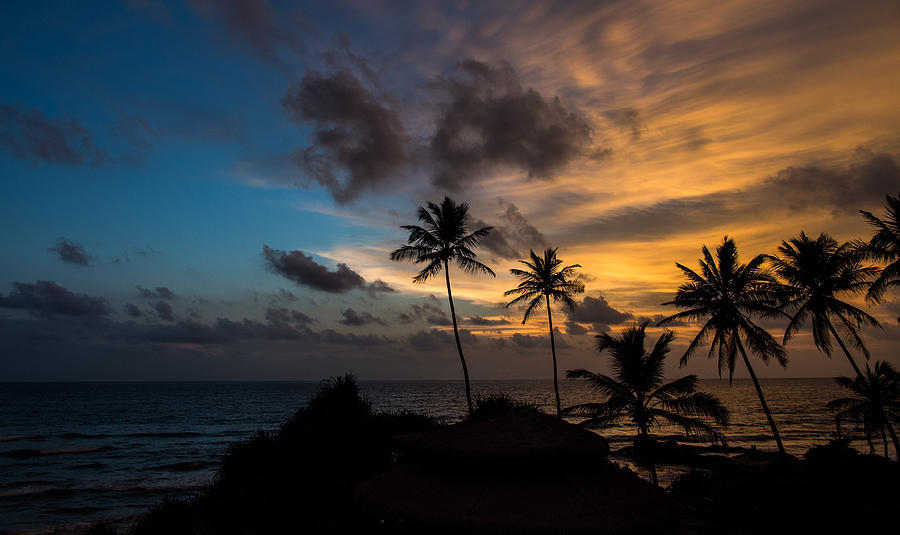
<point>76,453</point>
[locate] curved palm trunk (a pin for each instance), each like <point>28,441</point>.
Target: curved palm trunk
<point>553,350</point>
<point>896,442</point>
<point>462,359</point>
<point>846,352</point>
<point>759,392</point>
<point>885,442</point>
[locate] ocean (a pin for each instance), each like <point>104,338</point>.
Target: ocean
<point>75,453</point>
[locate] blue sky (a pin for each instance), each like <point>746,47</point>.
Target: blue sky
<point>166,141</point>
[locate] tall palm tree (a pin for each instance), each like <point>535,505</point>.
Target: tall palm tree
<point>814,275</point>
<point>875,405</point>
<point>637,393</point>
<point>726,294</point>
<point>542,281</point>
<point>884,246</point>
<point>444,237</point>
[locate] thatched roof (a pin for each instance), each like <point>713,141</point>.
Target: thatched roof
<point>520,472</point>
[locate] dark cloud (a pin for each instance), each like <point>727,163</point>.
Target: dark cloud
<point>141,253</point>
<point>654,320</point>
<point>46,298</point>
<point>254,24</point>
<point>164,311</point>
<point>574,328</point>
<point>480,321</point>
<point>357,143</point>
<point>160,292</point>
<point>836,189</point>
<point>528,341</point>
<point>286,315</point>
<point>284,295</point>
<point>330,336</point>
<point>434,339</point>
<point>29,134</point>
<point>227,331</point>
<point>133,311</point>
<point>627,118</point>
<point>379,286</point>
<point>71,252</point>
<point>512,235</point>
<point>597,312</point>
<point>489,120</point>
<point>354,318</point>
<point>430,311</point>
<point>303,270</point>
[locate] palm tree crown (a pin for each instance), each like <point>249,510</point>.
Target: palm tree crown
<point>884,246</point>
<point>543,281</point>
<point>443,238</point>
<point>876,403</point>
<point>726,293</point>
<point>814,275</point>
<point>636,391</point>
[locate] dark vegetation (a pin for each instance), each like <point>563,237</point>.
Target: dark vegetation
<point>833,489</point>
<point>299,478</point>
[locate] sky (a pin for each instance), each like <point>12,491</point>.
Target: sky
<point>210,190</point>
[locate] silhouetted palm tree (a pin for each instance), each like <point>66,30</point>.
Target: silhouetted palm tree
<point>884,246</point>
<point>814,275</point>
<point>444,237</point>
<point>726,294</point>
<point>875,405</point>
<point>637,392</point>
<point>542,281</point>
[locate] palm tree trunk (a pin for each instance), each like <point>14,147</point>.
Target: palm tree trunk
<point>462,359</point>
<point>553,350</point>
<point>648,455</point>
<point>841,343</point>
<point>884,441</point>
<point>759,392</point>
<point>893,438</point>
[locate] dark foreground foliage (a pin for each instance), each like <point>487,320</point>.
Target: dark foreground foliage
<point>833,489</point>
<point>298,479</point>
<point>500,402</point>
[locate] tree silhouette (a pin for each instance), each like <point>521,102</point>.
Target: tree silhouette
<point>875,404</point>
<point>444,237</point>
<point>814,275</point>
<point>542,281</point>
<point>637,392</point>
<point>884,246</point>
<point>726,294</point>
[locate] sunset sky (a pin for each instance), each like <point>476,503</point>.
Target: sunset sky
<point>211,190</point>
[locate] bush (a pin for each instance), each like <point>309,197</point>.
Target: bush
<point>499,402</point>
<point>297,479</point>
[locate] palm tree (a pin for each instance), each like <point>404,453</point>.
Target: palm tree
<point>875,405</point>
<point>726,294</point>
<point>444,238</point>
<point>542,281</point>
<point>814,275</point>
<point>884,247</point>
<point>637,392</point>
